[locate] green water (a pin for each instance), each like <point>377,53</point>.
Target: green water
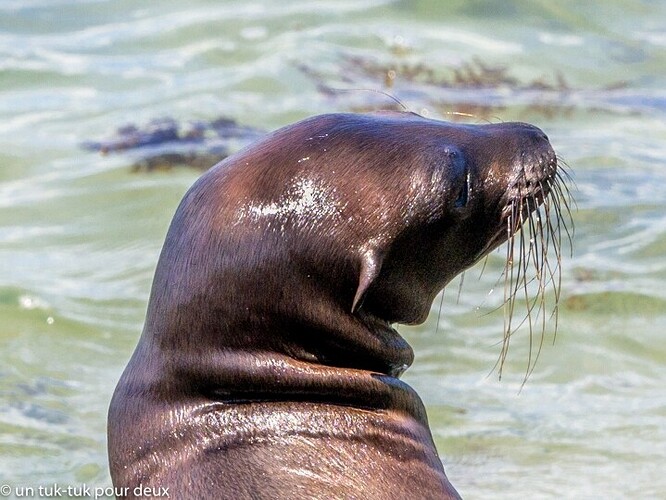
<point>80,233</point>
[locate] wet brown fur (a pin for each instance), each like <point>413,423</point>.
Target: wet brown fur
<point>268,366</point>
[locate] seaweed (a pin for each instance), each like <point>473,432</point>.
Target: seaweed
<point>472,87</point>
<point>165,143</point>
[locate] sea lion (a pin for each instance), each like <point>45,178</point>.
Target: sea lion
<point>268,366</point>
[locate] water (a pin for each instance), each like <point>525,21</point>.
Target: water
<point>80,233</point>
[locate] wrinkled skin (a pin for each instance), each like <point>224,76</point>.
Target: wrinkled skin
<point>268,367</point>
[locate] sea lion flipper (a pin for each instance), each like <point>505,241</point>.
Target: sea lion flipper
<point>371,263</point>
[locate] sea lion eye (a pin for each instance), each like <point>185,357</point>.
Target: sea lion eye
<point>463,194</point>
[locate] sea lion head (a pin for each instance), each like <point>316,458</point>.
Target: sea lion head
<point>313,241</point>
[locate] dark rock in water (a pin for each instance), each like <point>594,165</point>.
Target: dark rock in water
<point>165,143</point>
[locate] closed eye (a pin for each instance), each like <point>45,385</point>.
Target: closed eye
<point>463,194</point>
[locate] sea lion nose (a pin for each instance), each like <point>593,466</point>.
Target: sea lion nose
<point>534,146</point>
<point>531,132</point>
<point>520,135</point>
<point>534,162</point>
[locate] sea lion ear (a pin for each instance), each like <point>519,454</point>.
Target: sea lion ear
<point>371,263</point>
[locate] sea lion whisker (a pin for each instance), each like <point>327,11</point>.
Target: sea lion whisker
<point>513,280</point>
<point>535,250</point>
<point>466,115</point>
<point>483,268</point>
<point>564,183</point>
<point>555,228</point>
<point>499,279</point>
<point>546,241</point>
<point>563,192</point>
<point>375,91</point>
<point>460,286</point>
<point>532,305</point>
<point>558,198</point>
<point>556,284</point>
<point>552,239</point>
<point>508,301</point>
<point>562,206</point>
<point>543,235</point>
<point>556,279</point>
<point>564,171</point>
<point>439,312</point>
<point>523,268</point>
<point>539,230</point>
<point>530,370</point>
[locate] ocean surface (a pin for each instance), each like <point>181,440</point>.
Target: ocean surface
<point>80,231</point>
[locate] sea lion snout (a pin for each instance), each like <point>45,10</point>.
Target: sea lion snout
<point>534,169</point>
<point>514,161</point>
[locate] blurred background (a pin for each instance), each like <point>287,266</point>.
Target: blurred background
<point>109,110</point>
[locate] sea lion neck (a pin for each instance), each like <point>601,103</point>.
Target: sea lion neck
<point>244,348</point>
<point>323,335</point>
<point>246,377</point>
